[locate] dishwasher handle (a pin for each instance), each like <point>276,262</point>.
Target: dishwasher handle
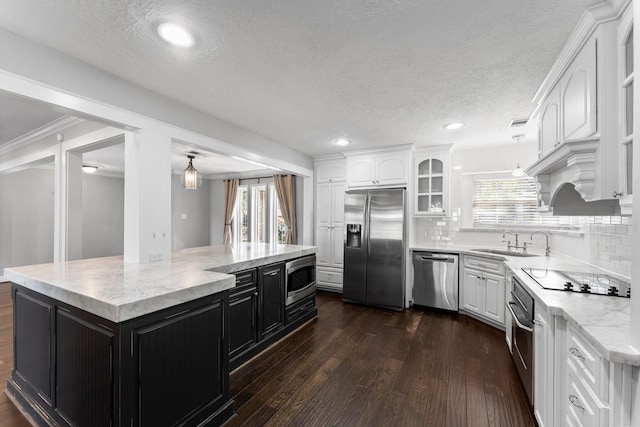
<point>428,258</point>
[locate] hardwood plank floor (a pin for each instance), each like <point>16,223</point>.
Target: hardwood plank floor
<point>361,366</point>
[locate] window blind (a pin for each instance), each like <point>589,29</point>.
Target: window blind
<point>508,201</point>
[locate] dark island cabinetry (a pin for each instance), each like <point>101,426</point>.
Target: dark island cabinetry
<point>257,313</point>
<point>72,368</point>
<point>271,295</point>
<point>243,314</point>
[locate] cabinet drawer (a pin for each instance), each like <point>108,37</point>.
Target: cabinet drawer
<point>329,276</point>
<point>246,277</point>
<point>581,408</point>
<point>299,309</point>
<point>484,264</point>
<point>589,364</point>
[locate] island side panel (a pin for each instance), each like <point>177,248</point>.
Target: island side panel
<point>169,366</point>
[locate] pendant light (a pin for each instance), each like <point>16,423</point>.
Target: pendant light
<point>518,171</point>
<point>191,178</point>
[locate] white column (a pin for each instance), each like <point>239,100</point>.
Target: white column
<point>74,206</point>
<point>59,207</point>
<point>147,196</point>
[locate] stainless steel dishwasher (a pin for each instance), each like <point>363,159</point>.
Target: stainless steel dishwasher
<point>435,280</point>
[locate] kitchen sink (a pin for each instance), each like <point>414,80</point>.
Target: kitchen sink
<point>503,252</point>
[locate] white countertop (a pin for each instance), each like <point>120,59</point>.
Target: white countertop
<point>604,321</point>
<point>118,291</point>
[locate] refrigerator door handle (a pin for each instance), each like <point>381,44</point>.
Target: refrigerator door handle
<point>367,221</point>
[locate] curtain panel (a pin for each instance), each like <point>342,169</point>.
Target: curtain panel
<point>286,191</point>
<point>230,192</point>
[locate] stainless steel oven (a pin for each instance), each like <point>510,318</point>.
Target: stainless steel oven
<point>300,278</point>
<point>521,308</point>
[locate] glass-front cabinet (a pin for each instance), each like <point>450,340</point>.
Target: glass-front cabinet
<point>431,180</point>
<point>625,43</point>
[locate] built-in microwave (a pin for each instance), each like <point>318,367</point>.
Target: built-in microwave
<point>300,278</point>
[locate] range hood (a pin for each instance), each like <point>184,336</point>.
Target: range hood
<point>573,180</point>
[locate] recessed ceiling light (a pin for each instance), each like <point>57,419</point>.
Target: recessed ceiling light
<point>341,142</point>
<point>454,125</point>
<point>175,34</point>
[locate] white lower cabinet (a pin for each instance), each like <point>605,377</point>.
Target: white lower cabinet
<point>574,385</point>
<point>543,356</point>
<point>483,289</point>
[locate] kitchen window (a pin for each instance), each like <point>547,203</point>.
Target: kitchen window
<point>257,216</point>
<point>511,201</point>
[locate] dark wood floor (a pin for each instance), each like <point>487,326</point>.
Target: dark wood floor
<point>360,366</point>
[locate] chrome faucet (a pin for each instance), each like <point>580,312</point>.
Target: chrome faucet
<point>546,235</point>
<point>517,246</point>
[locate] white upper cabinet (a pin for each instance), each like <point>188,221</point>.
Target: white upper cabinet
<point>625,87</point>
<point>431,172</point>
<point>581,107</point>
<point>578,94</point>
<point>330,171</point>
<point>382,168</point>
<point>549,130</point>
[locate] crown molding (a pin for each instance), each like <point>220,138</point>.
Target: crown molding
<point>49,129</point>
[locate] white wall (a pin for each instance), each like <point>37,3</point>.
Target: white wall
<point>194,230</point>
<point>102,216</point>
<point>216,211</point>
<point>26,217</point>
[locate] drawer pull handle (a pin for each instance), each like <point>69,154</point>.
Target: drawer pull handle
<point>576,353</point>
<point>272,273</point>
<point>575,401</point>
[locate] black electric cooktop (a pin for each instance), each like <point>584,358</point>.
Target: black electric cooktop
<point>581,282</point>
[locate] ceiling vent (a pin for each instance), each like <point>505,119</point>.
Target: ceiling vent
<point>516,123</point>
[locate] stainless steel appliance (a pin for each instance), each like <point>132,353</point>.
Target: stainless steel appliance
<point>521,309</point>
<point>374,247</point>
<point>300,278</point>
<point>583,282</point>
<point>435,280</point>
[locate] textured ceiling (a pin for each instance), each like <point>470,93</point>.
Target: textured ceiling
<point>303,73</point>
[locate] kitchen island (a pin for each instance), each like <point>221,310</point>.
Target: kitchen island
<point>106,342</point>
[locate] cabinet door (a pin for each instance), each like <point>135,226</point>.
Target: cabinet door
<point>271,298</point>
<point>578,96</point>
<point>391,169</point>
<point>337,203</point>
<point>431,180</point>
<point>494,297</point>
<point>243,311</point>
<point>337,246</point>
<point>361,171</point>
<point>330,171</point>
<point>190,372</point>
<point>549,123</point>
<point>325,246</point>
<point>543,385</point>
<point>324,197</point>
<point>473,291</point>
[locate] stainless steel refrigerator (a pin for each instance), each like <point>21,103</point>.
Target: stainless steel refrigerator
<point>374,247</point>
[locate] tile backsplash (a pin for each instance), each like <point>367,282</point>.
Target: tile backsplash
<point>606,241</point>
<point>610,243</point>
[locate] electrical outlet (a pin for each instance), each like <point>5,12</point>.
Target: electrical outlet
<point>183,216</point>
<point>155,257</point>
<point>426,234</point>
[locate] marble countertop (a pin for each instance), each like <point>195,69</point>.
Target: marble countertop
<point>118,291</point>
<point>604,321</point>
